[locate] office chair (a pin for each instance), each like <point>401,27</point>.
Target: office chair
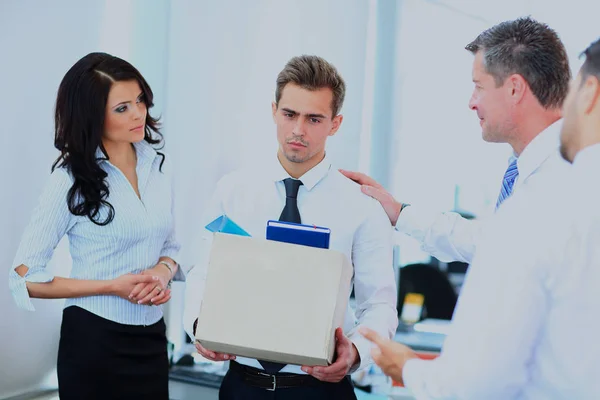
<point>426,279</point>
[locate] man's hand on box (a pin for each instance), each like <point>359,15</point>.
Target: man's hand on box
<point>213,355</point>
<point>346,357</point>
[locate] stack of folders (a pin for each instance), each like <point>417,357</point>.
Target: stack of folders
<point>306,235</point>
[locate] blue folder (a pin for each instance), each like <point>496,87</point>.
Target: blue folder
<point>224,224</point>
<point>306,235</point>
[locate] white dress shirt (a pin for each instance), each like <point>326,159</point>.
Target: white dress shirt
<point>450,237</point>
<point>526,324</point>
<point>141,232</point>
<point>359,229</point>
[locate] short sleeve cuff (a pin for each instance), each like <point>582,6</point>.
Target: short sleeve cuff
<point>18,285</point>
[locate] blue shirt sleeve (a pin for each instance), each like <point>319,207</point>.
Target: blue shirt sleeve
<point>49,222</point>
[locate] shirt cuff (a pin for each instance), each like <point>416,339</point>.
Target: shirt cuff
<point>18,285</point>
<point>413,373</point>
<point>189,326</point>
<point>415,222</point>
<point>364,350</point>
<point>180,274</point>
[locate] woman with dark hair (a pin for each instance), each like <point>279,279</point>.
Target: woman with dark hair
<point>110,192</point>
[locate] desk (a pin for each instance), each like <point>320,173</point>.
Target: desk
<point>185,391</point>
<point>421,341</point>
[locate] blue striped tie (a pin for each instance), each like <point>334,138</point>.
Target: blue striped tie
<point>507,183</point>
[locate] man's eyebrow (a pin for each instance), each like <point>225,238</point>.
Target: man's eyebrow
<point>307,115</point>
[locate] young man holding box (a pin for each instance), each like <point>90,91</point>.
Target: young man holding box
<point>300,185</point>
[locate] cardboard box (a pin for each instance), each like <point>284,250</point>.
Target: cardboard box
<point>273,301</point>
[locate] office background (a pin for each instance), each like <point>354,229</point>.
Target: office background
<point>212,65</point>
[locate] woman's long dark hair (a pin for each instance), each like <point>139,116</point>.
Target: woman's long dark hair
<point>79,126</point>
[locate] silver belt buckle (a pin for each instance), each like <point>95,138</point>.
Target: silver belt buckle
<point>274,381</point>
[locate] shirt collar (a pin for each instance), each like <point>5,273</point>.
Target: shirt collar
<point>144,151</point>
<point>310,179</point>
<point>538,150</point>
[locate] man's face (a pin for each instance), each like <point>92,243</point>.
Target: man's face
<point>491,104</point>
<point>571,129</point>
<point>304,122</point>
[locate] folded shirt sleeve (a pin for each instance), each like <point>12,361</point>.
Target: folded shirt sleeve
<point>447,236</point>
<point>374,282</point>
<point>50,221</point>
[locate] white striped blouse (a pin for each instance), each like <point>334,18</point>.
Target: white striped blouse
<point>141,232</point>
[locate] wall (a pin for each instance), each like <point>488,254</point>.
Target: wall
<point>40,41</point>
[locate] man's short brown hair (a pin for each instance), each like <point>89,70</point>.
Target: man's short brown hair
<point>312,73</point>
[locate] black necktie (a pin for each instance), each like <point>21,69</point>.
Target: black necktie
<point>290,213</point>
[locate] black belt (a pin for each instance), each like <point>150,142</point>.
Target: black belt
<point>259,378</point>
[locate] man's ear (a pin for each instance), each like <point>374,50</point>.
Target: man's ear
<point>518,87</point>
<point>589,93</point>
<point>337,121</point>
<point>274,110</point>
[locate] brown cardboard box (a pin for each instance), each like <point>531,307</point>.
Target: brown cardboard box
<point>273,301</point>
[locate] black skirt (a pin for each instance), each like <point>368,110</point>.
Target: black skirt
<point>102,359</point>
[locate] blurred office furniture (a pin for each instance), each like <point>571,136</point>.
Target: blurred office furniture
<point>433,283</point>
